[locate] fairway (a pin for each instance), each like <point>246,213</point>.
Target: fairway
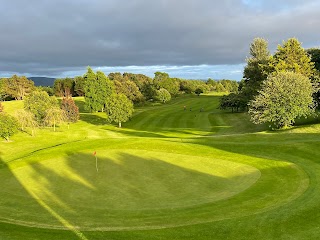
<point>169,173</point>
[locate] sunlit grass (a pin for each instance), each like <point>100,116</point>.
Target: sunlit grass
<point>169,173</point>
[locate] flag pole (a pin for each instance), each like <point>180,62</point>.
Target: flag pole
<point>96,163</point>
<point>95,154</point>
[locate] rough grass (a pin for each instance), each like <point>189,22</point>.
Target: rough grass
<point>169,173</point>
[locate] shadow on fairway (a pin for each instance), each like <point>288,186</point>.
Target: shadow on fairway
<point>122,188</point>
<point>92,118</point>
<point>16,202</point>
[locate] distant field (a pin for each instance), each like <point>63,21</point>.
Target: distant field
<point>169,173</point>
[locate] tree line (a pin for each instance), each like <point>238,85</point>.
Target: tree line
<point>278,88</point>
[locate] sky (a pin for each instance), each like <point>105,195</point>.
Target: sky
<point>191,39</point>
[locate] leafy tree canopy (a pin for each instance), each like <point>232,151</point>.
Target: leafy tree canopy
<point>8,126</point>
<point>119,108</point>
<point>284,97</point>
<point>38,102</point>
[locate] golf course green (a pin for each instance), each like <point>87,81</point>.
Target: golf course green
<point>181,170</point>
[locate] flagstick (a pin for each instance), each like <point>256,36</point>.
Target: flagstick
<point>96,162</point>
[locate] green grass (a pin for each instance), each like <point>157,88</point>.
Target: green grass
<point>169,173</point>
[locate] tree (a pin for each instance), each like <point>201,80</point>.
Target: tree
<point>1,108</point>
<point>8,126</point>
<point>129,89</point>
<point>70,109</point>
<point>257,68</point>
<point>284,97</point>
<point>198,91</point>
<point>79,86</point>
<point>163,95</point>
<point>64,87</point>
<point>17,87</point>
<point>26,119</point>
<point>54,116</point>
<point>293,58</point>
<point>162,80</point>
<point>119,108</point>
<point>38,102</point>
<point>97,89</point>
<point>314,54</point>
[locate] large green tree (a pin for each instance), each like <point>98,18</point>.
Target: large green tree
<point>38,102</point>
<point>257,68</point>
<point>54,116</point>
<point>162,80</point>
<point>17,87</point>
<point>97,89</point>
<point>293,58</point>
<point>26,119</point>
<point>8,126</point>
<point>119,108</point>
<point>284,97</point>
<point>163,95</point>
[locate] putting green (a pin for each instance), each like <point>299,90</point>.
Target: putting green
<point>139,189</point>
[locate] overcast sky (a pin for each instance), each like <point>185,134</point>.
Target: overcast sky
<point>194,39</point>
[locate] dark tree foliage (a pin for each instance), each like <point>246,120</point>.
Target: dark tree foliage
<point>79,86</point>
<point>70,109</point>
<point>233,101</point>
<point>314,54</point>
<point>198,91</point>
<point>257,68</point>
<point>64,87</point>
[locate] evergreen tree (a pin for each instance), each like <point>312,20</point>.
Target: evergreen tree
<point>97,89</point>
<point>257,68</point>
<point>293,58</point>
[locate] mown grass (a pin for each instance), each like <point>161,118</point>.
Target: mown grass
<point>169,173</point>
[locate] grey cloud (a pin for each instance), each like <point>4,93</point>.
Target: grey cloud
<point>51,37</point>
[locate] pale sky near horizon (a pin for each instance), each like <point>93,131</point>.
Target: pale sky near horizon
<point>192,39</point>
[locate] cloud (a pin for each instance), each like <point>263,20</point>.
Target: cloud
<point>53,38</point>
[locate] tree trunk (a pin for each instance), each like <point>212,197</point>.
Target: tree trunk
<point>119,124</point>
<point>54,126</point>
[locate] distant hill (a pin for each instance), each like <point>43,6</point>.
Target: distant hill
<point>42,81</point>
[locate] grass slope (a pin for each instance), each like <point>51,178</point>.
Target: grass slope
<point>169,173</point>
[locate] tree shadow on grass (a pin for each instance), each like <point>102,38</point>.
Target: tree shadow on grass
<point>93,119</point>
<point>19,211</point>
<point>127,190</point>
